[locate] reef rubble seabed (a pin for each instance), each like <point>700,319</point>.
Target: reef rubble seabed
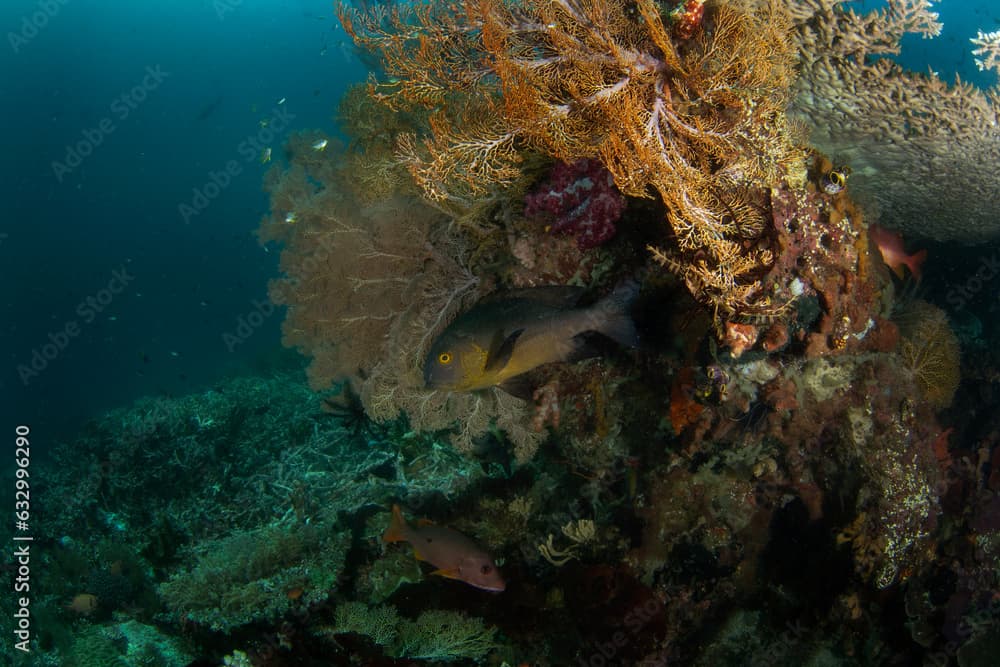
<point>246,521</point>
<point>796,466</point>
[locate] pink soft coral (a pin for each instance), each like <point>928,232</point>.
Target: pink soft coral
<point>582,199</point>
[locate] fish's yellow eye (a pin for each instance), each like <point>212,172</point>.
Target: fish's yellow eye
<point>444,358</point>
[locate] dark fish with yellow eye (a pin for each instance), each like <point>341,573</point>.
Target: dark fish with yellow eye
<point>506,335</point>
<point>835,180</point>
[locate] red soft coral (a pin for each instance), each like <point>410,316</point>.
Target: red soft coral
<point>582,199</point>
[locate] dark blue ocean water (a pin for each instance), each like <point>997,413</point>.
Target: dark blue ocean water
<point>949,53</point>
<point>162,97</point>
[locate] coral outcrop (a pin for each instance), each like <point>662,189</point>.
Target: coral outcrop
<point>916,144</point>
<point>697,121</point>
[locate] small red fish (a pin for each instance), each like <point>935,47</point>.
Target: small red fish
<point>453,554</point>
<point>890,244</point>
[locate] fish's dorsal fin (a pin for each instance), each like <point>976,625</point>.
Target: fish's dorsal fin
<point>556,296</point>
<point>501,350</point>
<point>424,522</point>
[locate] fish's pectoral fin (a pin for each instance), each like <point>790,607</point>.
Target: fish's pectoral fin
<point>501,350</point>
<point>520,386</point>
<point>450,573</point>
<point>418,555</point>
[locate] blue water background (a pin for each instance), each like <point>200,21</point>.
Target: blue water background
<point>228,65</point>
<point>62,241</point>
<point>950,53</point>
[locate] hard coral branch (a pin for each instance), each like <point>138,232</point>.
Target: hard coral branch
<point>917,146</point>
<point>988,48</point>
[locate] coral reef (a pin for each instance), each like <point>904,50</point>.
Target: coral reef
<point>795,466</point>
<point>791,467</point>
<point>785,415</point>
<point>916,145</point>
<point>699,122</point>
<point>434,635</point>
<point>257,575</point>
<point>930,350</point>
<point>257,536</point>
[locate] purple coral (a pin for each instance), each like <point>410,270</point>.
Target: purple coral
<point>582,199</point>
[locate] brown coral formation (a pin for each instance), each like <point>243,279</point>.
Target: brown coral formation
<point>698,122</point>
<point>701,464</point>
<point>930,351</point>
<point>367,288</point>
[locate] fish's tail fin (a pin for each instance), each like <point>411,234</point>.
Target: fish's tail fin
<point>396,532</point>
<point>914,262</point>
<point>614,317</point>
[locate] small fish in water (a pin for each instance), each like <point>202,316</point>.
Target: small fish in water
<point>453,554</point>
<point>290,218</point>
<point>281,101</point>
<point>505,336</point>
<point>84,603</point>
<point>890,246</point>
<point>265,155</point>
<point>320,145</point>
<point>835,180</point>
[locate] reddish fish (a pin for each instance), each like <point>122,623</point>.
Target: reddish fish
<point>890,244</point>
<point>453,554</point>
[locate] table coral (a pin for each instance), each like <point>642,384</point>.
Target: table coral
<point>916,145</point>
